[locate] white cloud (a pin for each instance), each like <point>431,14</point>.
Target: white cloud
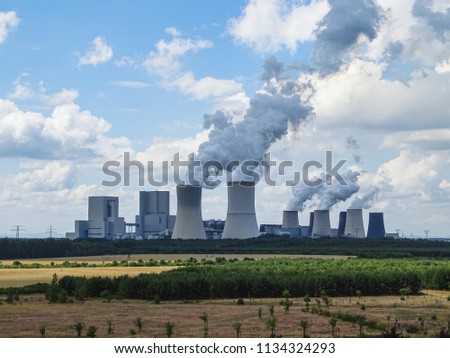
<point>172,31</point>
<point>68,133</point>
<point>100,52</point>
<point>268,26</point>
<point>131,84</point>
<point>23,91</point>
<point>165,62</point>
<point>124,61</point>
<point>360,97</point>
<point>8,21</point>
<point>53,175</point>
<point>443,66</point>
<point>202,88</point>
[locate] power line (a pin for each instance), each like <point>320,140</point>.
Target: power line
<point>18,229</point>
<point>50,231</point>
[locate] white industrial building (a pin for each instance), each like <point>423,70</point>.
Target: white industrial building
<point>103,220</point>
<point>154,216</point>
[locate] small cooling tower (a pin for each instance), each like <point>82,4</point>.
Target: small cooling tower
<point>342,220</point>
<point>189,222</point>
<point>311,223</point>
<point>376,226</point>
<point>354,225</point>
<point>290,219</point>
<point>241,217</point>
<point>321,225</point>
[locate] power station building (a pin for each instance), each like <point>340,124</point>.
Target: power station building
<point>103,220</point>
<point>154,214</point>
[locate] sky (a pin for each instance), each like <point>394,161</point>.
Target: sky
<point>83,83</point>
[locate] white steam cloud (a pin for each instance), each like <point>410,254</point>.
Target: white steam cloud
<point>278,107</point>
<point>327,194</point>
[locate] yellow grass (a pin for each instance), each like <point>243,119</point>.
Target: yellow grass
<point>20,277</point>
<point>167,257</point>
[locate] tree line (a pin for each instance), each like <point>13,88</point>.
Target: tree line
<point>267,278</point>
<point>369,248</point>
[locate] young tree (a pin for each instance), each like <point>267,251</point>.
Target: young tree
<point>110,329</point>
<point>91,332</point>
<point>272,325</point>
<point>169,329</point>
<point>139,323</point>
<point>307,300</point>
<point>304,324</point>
<point>271,310</point>
<point>52,292</point>
<point>361,321</point>
<point>259,312</point>
<point>237,327</point>
<point>204,318</point>
<point>333,322</point>
<point>286,302</point>
<point>42,331</point>
<point>79,326</point>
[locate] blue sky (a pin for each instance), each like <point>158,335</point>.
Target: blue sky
<point>82,83</point>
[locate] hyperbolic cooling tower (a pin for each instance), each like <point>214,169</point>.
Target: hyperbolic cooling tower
<point>342,220</point>
<point>290,219</point>
<point>354,226</point>
<point>189,222</point>
<point>376,226</point>
<point>311,223</point>
<point>241,217</point>
<point>321,225</point>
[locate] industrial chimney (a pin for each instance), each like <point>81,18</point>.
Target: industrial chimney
<point>354,225</point>
<point>376,226</point>
<point>321,224</point>
<point>189,222</point>
<point>342,221</point>
<point>311,223</point>
<point>241,217</point>
<point>290,219</point>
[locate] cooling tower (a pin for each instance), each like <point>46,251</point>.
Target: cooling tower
<point>311,223</point>
<point>189,222</point>
<point>376,226</point>
<point>241,217</point>
<point>342,220</point>
<point>354,225</point>
<point>321,225</point>
<point>290,219</point>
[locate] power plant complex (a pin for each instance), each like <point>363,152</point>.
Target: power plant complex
<point>154,220</point>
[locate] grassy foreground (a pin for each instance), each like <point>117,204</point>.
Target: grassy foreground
<point>31,313</point>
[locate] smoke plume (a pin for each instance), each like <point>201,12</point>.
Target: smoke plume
<point>341,29</point>
<point>327,195</point>
<point>275,109</point>
<point>365,201</point>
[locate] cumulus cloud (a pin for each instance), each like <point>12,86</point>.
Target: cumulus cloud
<point>165,63</point>
<point>8,21</point>
<point>100,52</point>
<point>268,26</point>
<point>23,90</point>
<point>68,132</point>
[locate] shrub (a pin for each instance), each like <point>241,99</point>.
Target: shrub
<point>240,301</point>
<point>91,332</point>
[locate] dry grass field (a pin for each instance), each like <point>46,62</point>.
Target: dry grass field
<point>19,277</point>
<point>26,317</point>
<point>167,257</point>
